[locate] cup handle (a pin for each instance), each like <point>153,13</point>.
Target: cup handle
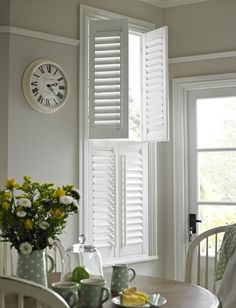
<point>52,263</point>
<point>133,273</point>
<point>105,291</point>
<point>72,299</point>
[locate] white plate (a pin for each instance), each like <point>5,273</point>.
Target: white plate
<point>116,301</point>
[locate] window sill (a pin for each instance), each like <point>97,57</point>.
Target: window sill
<point>131,260</point>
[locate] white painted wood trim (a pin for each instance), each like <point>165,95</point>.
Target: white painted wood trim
<point>181,87</point>
<point>39,35</point>
<point>170,3</point>
<point>203,57</point>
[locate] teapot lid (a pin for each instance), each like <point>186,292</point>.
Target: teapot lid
<point>81,247</point>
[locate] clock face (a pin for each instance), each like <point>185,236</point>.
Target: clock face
<point>45,86</point>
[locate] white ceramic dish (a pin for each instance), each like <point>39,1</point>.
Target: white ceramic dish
<point>116,301</point>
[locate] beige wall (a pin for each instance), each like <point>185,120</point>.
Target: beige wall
<point>200,28</point>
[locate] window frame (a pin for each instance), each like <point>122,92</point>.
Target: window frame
<point>136,25</point>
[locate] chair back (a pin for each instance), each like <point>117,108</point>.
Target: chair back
<point>202,258</point>
<point>57,253</point>
<point>18,293</point>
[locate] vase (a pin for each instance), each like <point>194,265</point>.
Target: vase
<point>33,267</point>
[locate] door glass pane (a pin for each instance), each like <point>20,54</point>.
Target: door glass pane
<point>216,215</point>
<point>216,122</point>
<point>217,171</point>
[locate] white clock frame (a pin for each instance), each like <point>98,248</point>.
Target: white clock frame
<point>27,88</point>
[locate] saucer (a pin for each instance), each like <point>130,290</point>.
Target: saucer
<point>116,301</point>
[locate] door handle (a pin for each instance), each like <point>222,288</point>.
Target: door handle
<point>192,223</point>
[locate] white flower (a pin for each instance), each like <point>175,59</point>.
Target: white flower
<point>24,202</point>
<point>43,225</point>
<point>75,202</point>
<point>21,214</point>
<point>51,241</point>
<point>66,200</point>
<point>25,248</point>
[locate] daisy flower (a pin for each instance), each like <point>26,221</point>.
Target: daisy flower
<point>25,248</point>
<point>24,202</point>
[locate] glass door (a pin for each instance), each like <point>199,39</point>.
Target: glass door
<point>212,157</point>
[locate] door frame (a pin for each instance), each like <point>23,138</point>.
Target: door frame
<point>181,89</point>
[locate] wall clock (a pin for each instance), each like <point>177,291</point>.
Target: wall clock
<point>45,86</point>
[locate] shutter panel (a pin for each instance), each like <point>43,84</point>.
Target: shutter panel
<point>133,199</point>
<point>104,197</point>
<point>108,79</point>
<point>156,96</point>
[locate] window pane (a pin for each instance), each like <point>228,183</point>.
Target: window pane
<point>216,122</point>
<point>216,215</point>
<point>134,86</point>
<point>217,172</point>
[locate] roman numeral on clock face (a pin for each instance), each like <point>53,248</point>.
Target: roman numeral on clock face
<point>40,99</point>
<point>35,91</point>
<point>34,83</point>
<point>49,68</point>
<point>60,95</point>
<point>41,69</point>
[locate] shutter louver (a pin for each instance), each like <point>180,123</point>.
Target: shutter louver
<point>108,79</point>
<point>104,196</point>
<point>133,196</point>
<point>156,85</point>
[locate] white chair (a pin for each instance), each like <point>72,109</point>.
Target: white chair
<point>8,258</point>
<point>202,258</point>
<point>27,294</point>
<point>57,253</point>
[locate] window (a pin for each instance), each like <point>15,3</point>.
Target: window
<point>115,158</point>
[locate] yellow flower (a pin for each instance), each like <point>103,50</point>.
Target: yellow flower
<point>6,195</point>
<point>5,205</point>
<point>28,224</point>
<point>59,193</point>
<point>10,183</point>
<point>57,214</point>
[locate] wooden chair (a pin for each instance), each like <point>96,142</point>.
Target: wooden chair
<point>20,293</point>
<point>202,258</point>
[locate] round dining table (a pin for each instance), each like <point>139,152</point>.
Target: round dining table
<point>177,294</point>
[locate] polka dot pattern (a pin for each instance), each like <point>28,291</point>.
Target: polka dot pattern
<point>33,267</point>
<point>120,277</point>
<point>92,296</point>
<point>227,248</point>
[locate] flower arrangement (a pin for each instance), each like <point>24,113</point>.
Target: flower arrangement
<point>33,214</point>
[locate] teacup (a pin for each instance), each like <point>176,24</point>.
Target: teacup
<point>120,278</point>
<point>68,290</point>
<point>93,293</point>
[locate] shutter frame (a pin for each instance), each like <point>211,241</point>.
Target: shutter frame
<point>156,89</point>
<point>108,118</point>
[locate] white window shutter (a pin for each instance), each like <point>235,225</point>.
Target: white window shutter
<point>156,94</point>
<point>133,199</point>
<point>108,79</point>
<point>103,191</point>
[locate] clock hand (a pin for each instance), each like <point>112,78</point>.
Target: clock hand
<point>51,89</point>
